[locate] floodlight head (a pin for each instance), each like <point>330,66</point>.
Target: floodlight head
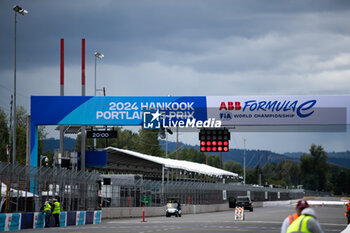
<point>23,12</point>
<point>169,131</point>
<point>17,8</point>
<point>99,55</point>
<point>20,10</point>
<point>161,133</point>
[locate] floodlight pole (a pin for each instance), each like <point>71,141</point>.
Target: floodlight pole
<point>14,100</point>
<point>100,56</point>
<point>95,77</point>
<point>177,142</point>
<point>244,161</point>
<point>166,145</point>
<point>163,183</point>
<point>163,168</point>
<point>95,141</point>
<point>16,9</point>
<point>10,132</point>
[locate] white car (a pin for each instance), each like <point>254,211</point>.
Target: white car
<point>173,209</point>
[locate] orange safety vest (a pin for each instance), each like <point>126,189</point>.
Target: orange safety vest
<point>347,209</point>
<point>292,218</point>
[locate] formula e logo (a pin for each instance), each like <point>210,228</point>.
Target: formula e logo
<point>225,116</point>
<point>151,120</point>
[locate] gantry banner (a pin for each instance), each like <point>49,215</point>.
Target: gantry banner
<point>190,111</point>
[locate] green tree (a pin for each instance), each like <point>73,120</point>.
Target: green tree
<point>288,172</point>
<point>4,135</point>
<point>197,156</point>
<point>340,183</point>
<point>270,171</point>
<point>285,173</point>
<point>148,142</point>
<point>339,178</point>
<point>189,154</point>
<point>314,169</point>
<point>233,166</point>
<point>21,134</point>
<point>42,134</point>
<point>183,154</point>
<point>214,161</point>
<point>126,140</point>
<point>251,177</point>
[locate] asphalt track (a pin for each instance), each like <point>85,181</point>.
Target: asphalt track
<point>268,219</point>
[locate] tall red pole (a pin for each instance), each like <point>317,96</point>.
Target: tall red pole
<point>83,66</point>
<point>82,158</point>
<point>62,94</point>
<point>62,68</point>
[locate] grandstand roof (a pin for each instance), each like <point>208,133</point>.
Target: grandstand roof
<point>176,164</point>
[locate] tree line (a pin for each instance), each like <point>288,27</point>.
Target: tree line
<point>312,172</point>
<point>21,136</point>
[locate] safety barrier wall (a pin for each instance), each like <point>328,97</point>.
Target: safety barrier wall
<point>19,221</point>
<point>135,212</point>
<point>135,193</point>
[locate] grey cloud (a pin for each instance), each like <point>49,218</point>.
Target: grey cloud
<point>133,32</point>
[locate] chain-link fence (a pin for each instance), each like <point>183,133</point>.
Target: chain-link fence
<point>25,189</point>
<point>133,191</point>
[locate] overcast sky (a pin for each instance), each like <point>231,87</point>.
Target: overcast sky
<point>183,48</point>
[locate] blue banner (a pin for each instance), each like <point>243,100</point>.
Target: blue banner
<point>13,221</point>
<point>89,217</point>
<point>71,218</point>
<point>27,221</point>
<point>100,110</point>
<point>2,222</point>
<point>97,216</point>
<point>38,220</point>
<point>95,158</point>
<point>149,111</point>
<point>80,218</point>
<point>63,219</point>
<point>18,221</point>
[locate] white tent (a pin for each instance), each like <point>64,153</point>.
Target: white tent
<point>178,164</point>
<point>14,192</point>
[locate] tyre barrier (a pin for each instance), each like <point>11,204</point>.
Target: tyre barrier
<point>19,221</point>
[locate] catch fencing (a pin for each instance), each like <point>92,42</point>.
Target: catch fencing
<point>25,189</point>
<point>133,191</point>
